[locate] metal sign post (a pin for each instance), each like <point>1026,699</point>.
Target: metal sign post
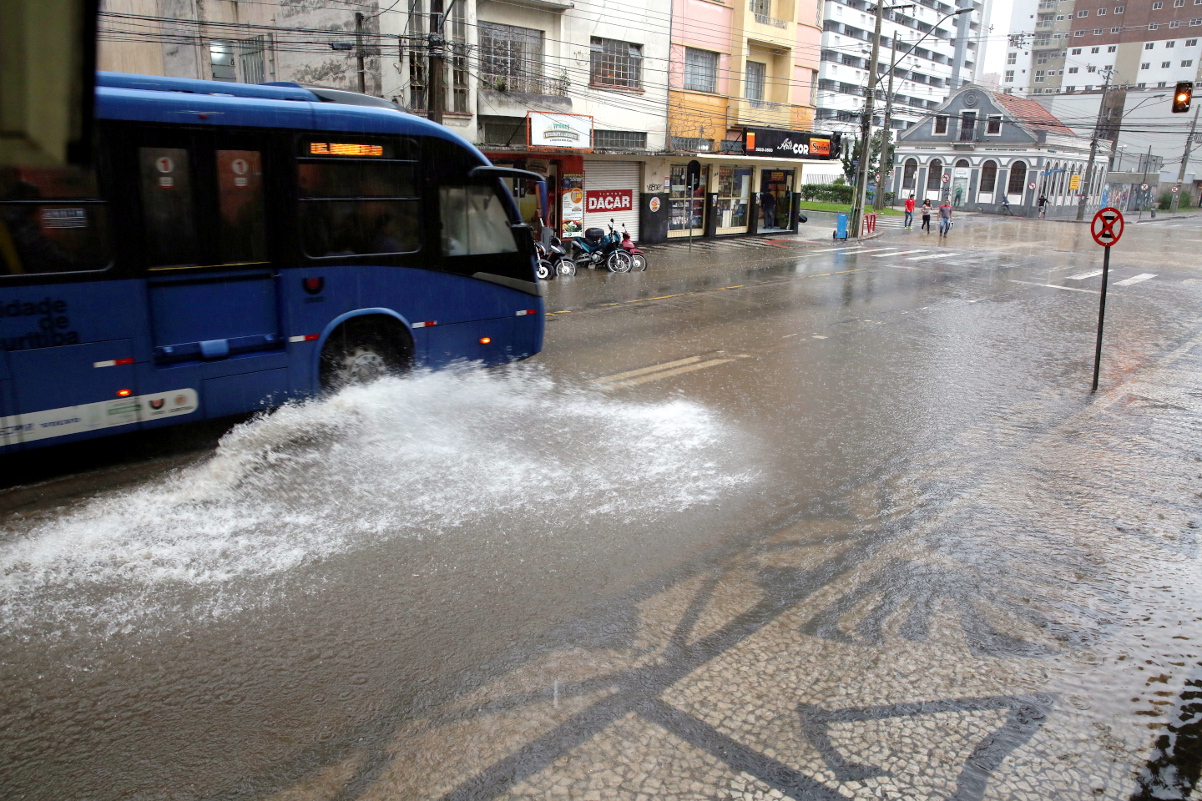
<point>1106,229</point>
<point>692,180</point>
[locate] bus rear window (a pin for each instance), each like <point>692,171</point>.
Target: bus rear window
<point>51,221</point>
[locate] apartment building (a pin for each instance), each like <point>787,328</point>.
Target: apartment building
<point>743,91</point>
<point>948,53</point>
<point>1068,46</point>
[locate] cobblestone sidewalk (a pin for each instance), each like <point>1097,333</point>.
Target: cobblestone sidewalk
<point>999,622</point>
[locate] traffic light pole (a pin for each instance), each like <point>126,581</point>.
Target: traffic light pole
<point>1189,141</point>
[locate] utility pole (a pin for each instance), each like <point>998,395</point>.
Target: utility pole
<point>1144,195</point>
<point>359,53</point>
<point>1189,140</point>
<point>436,99</point>
<point>1093,151</point>
<point>857,209</point>
<point>888,135</point>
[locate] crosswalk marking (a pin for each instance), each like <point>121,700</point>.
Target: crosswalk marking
<point>898,253</point>
<point>1135,279</point>
<point>919,258</point>
<point>1083,276</point>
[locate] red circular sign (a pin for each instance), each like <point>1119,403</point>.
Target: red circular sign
<point>1107,226</point>
<point>946,177</point>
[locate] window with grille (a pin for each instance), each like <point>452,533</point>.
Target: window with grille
<point>1149,45</point>
<point>511,58</point>
<point>1121,9</point>
<point>1011,58</point>
<point>1189,62</point>
<point>1193,23</point>
<point>619,140</point>
<point>700,70</point>
<point>1192,42</point>
<point>1095,49</point>
<point>1072,70</point>
<point>940,124</point>
<point>1157,6</point>
<point>1076,51</point>
<point>1147,65</point>
<point>1101,12</point>
<point>1082,13</point>
<point>994,125</point>
<point>1175,23</point>
<point>418,61</point>
<point>1009,75</point>
<point>1115,29</point>
<point>251,59</point>
<point>615,63</point>
<point>1018,177</point>
<point>1166,64</point>
<point>1171,43</point>
<point>1153,26</point>
<point>1097,31</point>
<point>459,51</point>
<point>754,80</point>
<point>221,60</point>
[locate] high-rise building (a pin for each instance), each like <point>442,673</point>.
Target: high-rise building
<point>1068,46</point>
<point>948,53</point>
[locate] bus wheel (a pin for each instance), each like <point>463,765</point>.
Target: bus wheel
<point>359,353</point>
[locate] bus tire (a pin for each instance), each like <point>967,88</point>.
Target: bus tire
<point>364,349</point>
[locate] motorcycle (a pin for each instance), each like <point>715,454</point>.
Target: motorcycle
<point>638,258</point>
<point>553,259</point>
<point>596,248</point>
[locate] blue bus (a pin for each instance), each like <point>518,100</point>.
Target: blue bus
<point>238,245</point>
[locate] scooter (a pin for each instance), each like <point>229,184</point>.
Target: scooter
<point>553,259</point>
<point>596,248</point>
<point>638,258</point>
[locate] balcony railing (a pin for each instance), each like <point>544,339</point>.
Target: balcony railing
<point>555,87</point>
<point>761,9</point>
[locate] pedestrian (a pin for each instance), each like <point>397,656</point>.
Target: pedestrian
<point>1043,201</point>
<point>768,204</point>
<point>1006,205</point>
<point>945,218</point>
<point>909,212</point>
<point>926,215</point>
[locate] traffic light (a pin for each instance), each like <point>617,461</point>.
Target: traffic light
<point>1181,97</point>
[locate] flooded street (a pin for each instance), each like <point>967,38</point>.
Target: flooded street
<point>771,519</point>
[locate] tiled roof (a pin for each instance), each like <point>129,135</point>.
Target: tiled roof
<point>1030,112</point>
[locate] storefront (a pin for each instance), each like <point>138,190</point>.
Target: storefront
<point>611,192</point>
<point>750,187</point>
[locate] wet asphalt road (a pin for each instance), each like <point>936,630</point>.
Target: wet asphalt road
<point>814,520</point>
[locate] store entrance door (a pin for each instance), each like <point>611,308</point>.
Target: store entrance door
<point>775,199</point>
<point>688,213</point>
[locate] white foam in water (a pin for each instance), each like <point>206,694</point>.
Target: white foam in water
<point>430,455</point>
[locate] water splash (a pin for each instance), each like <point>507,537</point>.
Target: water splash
<point>432,455</point>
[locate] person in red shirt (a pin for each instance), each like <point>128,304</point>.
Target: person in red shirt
<point>910,212</point>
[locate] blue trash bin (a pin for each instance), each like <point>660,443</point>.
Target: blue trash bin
<point>841,227</point>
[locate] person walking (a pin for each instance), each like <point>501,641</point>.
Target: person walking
<point>909,223</point>
<point>1006,205</point>
<point>1043,204</point>
<point>945,218</point>
<point>926,215</point>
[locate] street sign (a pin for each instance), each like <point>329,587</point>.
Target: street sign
<point>1107,227</point>
<point>946,177</point>
<point>1145,187</point>
<point>1031,185</point>
<point>1175,189</point>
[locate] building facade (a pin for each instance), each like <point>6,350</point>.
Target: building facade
<point>1070,46</point>
<point>921,80</point>
<point>982,149</point>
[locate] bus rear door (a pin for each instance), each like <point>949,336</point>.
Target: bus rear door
<point>212,286</point>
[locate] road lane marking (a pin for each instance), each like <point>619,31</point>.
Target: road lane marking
<point>1052,286</point>
<point>903,266</point>
<point>644,370</point>
<point>666,374</point>
<point>898,253</point>
<point>920,258</point>
<point>1135,279</point>
<point>1083,276</point>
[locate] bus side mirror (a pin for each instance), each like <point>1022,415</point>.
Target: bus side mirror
<point>524,236</point>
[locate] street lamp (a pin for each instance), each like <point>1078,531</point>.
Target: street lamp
<point>887,135</point>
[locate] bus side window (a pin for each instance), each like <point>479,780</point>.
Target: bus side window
<point>242,234</point>
<point>166,189</point>
<point>51,221</point>
<point>474,222</point>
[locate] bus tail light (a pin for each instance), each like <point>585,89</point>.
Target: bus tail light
<point>124,393</point>
<point>485,340</point>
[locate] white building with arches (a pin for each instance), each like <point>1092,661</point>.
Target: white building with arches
<point>980,147</point>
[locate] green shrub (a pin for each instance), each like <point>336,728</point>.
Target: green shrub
<point>1165,201</point>
<point>827,193</point>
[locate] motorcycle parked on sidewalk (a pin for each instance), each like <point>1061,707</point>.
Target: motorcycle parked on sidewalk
<point>596,248</point>
<point>638,258</point>
<point>553,259</point>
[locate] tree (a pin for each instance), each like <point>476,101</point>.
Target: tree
<point>874,161</point>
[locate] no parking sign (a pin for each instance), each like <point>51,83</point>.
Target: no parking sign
<point>1106,229</point>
